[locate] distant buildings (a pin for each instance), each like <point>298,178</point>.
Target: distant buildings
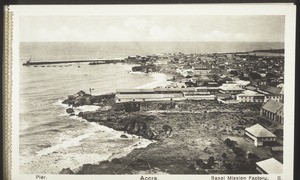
<point>200,70</point>
<point>259,135</point>
<point>269,166</point>
<point>273,110</point>
<point>274,93</point>
<point>250,96</point>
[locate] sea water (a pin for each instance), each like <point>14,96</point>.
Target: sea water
<point>50,139</point>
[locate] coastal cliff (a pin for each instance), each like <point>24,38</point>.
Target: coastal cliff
<point>189,136</point>
<point>108,115</point>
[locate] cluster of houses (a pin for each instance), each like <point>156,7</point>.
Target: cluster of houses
<point>228,93</point>
<point>252,77</point>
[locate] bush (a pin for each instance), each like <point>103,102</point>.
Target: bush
<point>238,151</point>
<point>230,143</point>
<point>228,166</point>
<point>211,161</point>
<point>200,163</point>
<point>252,156</point>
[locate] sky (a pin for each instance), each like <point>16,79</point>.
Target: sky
<point>164,28</point>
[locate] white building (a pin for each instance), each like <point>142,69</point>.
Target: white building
<point>259,135</point>
<point>230,89</point>
<point>250,96</point>
<point>269,166</point>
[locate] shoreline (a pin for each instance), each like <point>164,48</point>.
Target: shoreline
<point>160,79</point>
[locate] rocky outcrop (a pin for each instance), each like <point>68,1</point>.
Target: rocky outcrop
<point>66,171</point>
<point>81,98</point>
<point>123,136</point>
<point>70,110</point>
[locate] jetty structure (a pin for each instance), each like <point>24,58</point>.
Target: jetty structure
<point>90,61</point>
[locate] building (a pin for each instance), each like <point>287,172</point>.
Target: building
<point>269,166</point>
<point>210,90</point>
<point>232,89</point>
<point>199,96</point>
<point>250,96</point>
<point>259,135</point>
<point>187,73</point>
<point>274,93</point>
<point>273,110</point>
<point>242,83</point>
<point>201,70</point>
<point>156,94</point>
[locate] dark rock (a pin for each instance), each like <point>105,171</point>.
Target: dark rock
<point>123,136</point>
<point>70,110</point>
<point>80,114</point>
<point>66,171</point>
<point>116,161</point>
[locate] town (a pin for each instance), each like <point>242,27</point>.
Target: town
<point>224,107</point>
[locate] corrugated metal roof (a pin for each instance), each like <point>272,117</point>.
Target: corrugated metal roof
<point>258,131</point>
<point>133,90</point>
<point>270,89</point>
<point>233,87</point>
<point>189,89</point>
<point>270,166</point>
<point>272,106</point>
<point>250,93</point>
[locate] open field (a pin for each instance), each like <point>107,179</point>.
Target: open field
<point>189,138</point>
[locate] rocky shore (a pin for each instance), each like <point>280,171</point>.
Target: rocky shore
<point>189,136</point>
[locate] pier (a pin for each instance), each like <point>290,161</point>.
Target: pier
<point>91,61</point>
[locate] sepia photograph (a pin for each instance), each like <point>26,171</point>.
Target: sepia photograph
<point>123,91</point>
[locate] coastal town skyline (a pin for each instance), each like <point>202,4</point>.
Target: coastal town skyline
<point>152,28</point>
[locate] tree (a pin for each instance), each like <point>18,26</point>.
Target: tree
<point>254,75</point>
<point>234,72</point>
<point>211,161</point>
<point>200,163</point>
<point>224,156</point>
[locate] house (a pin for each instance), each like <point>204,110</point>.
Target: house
<point>199,96</point>
<point>242,83</point>
<point>259,135</point>
<point>210,90</point>
<point>227,100</point>
<point>156,94</point>
<point>274,93</point>
<point>250,96</point>
<point>273,110</point>
<point>201,70</point>
<point>269,166</point>
<point>232,89</point>
<point>187,73</point>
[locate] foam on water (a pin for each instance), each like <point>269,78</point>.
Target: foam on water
<point>57,140</point>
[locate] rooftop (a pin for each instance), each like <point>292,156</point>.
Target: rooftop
<point>272,106</point>
<point>270,166</point>
<point>258,131</point>
<point>270,89</point>
<point>231,87</point>
<point>242,83</point>
<point>250,93</point>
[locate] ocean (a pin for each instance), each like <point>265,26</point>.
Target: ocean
<point>50,139</point>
